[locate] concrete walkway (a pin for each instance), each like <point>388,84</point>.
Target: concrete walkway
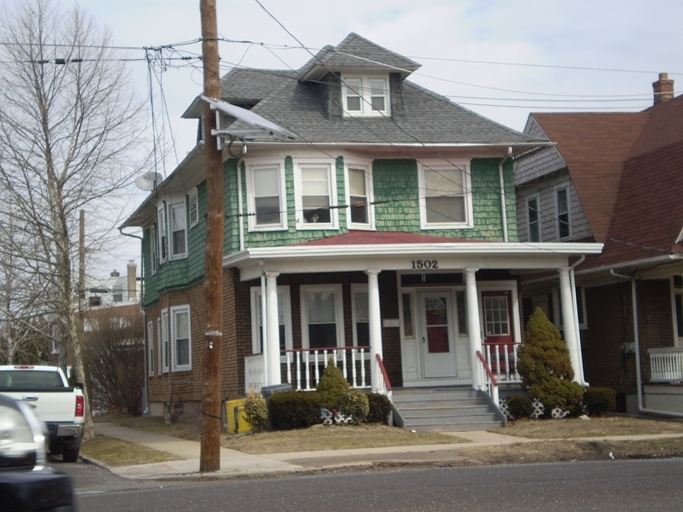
<point>235,463</point>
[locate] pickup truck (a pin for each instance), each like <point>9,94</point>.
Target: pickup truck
<point>60,406</point>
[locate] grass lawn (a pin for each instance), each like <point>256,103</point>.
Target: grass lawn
<point>114,452</point>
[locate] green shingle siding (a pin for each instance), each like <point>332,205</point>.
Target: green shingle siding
<point>395,184</point>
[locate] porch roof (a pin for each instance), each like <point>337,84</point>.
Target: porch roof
<point>372,250</point>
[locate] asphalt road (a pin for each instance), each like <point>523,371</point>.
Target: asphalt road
<point>579,486</point>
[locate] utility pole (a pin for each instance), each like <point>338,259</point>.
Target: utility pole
<point>213,270</point>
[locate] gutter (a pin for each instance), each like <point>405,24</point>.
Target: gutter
<point>636,339</point>
<point>502,193</point>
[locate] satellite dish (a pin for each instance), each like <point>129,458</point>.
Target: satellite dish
<point>148,181</point>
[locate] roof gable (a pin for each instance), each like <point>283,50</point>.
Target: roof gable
<point>356,52</point>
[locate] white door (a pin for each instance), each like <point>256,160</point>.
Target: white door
<point>438,347</point>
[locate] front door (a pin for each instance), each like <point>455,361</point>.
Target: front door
<point>438,347</point>
<point>497,327</point>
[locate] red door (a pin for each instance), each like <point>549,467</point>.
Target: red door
<point>498,338</point>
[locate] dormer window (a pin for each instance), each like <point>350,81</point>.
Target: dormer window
<point>366,96</point>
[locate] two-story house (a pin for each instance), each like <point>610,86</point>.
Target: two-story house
<point>615,178</point>
<point>383,236</point>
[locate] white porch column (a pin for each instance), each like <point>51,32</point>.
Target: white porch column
<point>375,320</point>
<point>273,330</point>
<point>474,325</point>
<point>569,322</point>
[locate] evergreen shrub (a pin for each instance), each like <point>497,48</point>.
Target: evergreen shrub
<point>600,400</point>
<point>256,411</point>
<point>545,366</point>
<point>332,386</point>
<point>380,408</point>
<point>520,406</point>
<point>294,409</point>
<point>356,403</point>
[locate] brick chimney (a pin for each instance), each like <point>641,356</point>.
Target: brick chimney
<point>663,88</point>
<point>132,281</point>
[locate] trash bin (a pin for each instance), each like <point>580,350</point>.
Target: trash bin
<point>266,391</point>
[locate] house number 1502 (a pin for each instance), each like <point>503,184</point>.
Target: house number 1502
<point>425,264</point>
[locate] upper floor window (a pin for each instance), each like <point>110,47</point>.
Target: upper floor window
<point>562,209</point>
<point>359,197</point>
<point>366,96</point>
<point>315,196</point>
<point>161,227</point>
<point>193,199</point>
<point>266,197</point>
<point>445,195</point>
<point>153,249</point>
<point>533,219</point>
<point>178,229</point>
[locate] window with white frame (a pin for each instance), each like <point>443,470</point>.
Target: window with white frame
<point>164,345</point>
<point>366,96</point>
<point>266,198</point>
<point>177,216</point>
<point>315,197</point>
<point>322,316</point>
<point>533,219</point>
<point>150,345</point>
<point>284,316</point>
<point>161,227</point>
<point>153,249</point>
<point>181,338</point>
<point>562,209</point>
<point>193,200</point>
<point>445,195</point>
<point>359,196</point>
<point>361,315</point>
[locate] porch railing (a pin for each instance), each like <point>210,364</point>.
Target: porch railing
<point>501,359</point>
<point>302,368</point>
<point>489,379</point>
<point>666,364</point>
<point>384,384</point>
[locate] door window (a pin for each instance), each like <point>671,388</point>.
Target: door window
<point>436,317</point>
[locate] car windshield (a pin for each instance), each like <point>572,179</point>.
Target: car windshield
<point>29,379</point>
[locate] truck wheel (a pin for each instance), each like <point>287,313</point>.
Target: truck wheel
<point>70,453</point>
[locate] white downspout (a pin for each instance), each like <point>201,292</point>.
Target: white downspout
<point>636,340</point>
<point>502,193</point>
<point>264,327</point>
<point>577,329</point>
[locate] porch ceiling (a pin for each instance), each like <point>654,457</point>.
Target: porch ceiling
<point>448,254</point>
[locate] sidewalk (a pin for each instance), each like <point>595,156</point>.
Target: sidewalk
<point>235,463</point>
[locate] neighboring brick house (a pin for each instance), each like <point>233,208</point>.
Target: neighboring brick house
<point>386,227</point>
<point>615,178</point>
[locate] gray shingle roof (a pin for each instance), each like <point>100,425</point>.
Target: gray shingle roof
<point>300,105</point>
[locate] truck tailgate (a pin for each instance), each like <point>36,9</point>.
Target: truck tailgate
<point>51,405</point>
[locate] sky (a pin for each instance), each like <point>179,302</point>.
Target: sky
<point>500,58</point>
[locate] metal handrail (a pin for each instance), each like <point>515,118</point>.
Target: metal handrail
<point>384,372</point>
<point>487,368</point>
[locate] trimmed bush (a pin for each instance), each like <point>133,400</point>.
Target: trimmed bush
<point>256,411</point>
<point>600,400</point>
<point>332,386</point>
<point>520,406</point>
<point>294,409</point>
<point>545,366</point>
<point>380,408</point>
<point>355,402</point>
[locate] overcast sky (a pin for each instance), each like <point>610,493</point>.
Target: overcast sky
<point>500,58</point>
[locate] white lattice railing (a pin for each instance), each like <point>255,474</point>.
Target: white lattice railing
<point>302,368</point>
<point>502,360</point>
<point>666,364</point>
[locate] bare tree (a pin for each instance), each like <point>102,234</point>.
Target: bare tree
<point>70,135</point>
<point>114,358</point>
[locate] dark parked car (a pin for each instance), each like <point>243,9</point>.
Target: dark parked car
<point>26,483</point>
